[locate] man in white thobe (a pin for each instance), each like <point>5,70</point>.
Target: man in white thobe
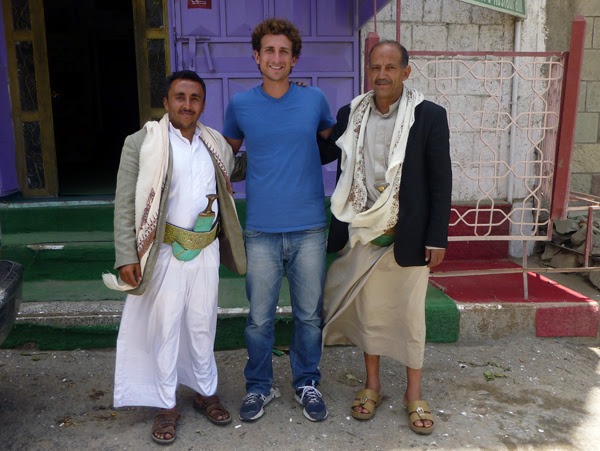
<point>168,255</point>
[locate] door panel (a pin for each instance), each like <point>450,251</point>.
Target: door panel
<point>339,58</point>
<point>222,52</point>
<point>30,91</point>
<point>241,16</point>
<point>198,21</point>
<point>298,11</point>
<point>331,23</point>
<point>221,58</point>
<point>214,111</point>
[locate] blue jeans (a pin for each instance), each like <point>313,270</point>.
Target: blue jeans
<point>302,255</point>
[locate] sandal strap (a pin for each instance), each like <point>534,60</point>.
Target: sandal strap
<point>165,422</point>
<point>421,409</point>
<point>366,395</point>
<point>213,407</point>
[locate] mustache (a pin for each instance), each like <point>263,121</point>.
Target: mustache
<point>382,82</point>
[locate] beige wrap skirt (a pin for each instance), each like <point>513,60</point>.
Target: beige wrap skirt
<point>373,303</point>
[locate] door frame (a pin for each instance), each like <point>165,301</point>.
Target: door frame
<point>43,167</point>
<point>150,80</point>
<point>44,164</point>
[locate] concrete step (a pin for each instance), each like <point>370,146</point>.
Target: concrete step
<point>74,324</point>
<point>56,216</point>
<point>66,256</point>
<point>66,246</point>
<point>500,305</point>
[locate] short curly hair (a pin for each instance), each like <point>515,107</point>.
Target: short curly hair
<point>277,26</point>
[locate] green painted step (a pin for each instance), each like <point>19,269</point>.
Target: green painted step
<point>59,241</point>
<point>56,217</point>
<point>26,217</point>
<point>230,335</point>
<point>442,319</point>
<point>66,255</point>
<point>78,248</point>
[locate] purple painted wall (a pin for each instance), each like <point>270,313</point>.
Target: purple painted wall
<point>8,170</point>
<point>365,10</point>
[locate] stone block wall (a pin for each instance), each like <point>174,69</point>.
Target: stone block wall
<point>477,103</point>
<point>445,25</point>
<point>477,155</point>
<point>585,166</point>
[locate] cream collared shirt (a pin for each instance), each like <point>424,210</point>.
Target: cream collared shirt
<point>193,177</point>
<point>378,139</point>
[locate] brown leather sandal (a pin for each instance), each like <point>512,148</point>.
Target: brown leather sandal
<point>165,423</point>
<point>211,407</point>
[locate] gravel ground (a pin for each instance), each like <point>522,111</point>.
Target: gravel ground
<point>517,393</point>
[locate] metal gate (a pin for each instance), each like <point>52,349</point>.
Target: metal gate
<point>512,119</point>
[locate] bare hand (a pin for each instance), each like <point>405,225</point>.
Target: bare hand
<point>131,274</point>
<point>434,256</point>
<point>302,84</point>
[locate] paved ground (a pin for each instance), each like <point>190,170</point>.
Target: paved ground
<point>544,394</point>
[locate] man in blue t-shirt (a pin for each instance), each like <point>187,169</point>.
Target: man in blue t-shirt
<point>285,222</point>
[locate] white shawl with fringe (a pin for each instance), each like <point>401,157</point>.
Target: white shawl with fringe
<point>349,200</point>
<point>152,175</point>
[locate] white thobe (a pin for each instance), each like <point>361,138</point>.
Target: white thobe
<point>167,335</point>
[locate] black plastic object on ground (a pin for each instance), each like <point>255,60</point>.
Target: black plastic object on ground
<point>11,287</point>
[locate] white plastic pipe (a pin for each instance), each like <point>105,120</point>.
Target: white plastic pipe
<point>513,113</point>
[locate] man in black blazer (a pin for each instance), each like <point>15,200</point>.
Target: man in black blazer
<point>391,209</point>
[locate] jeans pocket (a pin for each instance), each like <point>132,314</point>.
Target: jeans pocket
<point>315,230</point>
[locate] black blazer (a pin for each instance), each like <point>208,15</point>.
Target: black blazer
<point>425,189</point>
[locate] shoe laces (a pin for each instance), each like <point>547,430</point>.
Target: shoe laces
<point>253,397</point>
<point>311,394</point>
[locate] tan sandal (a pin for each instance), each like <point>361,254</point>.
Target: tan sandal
<point>165,423</point>
<point>419,410</point>
<point>366,399</point>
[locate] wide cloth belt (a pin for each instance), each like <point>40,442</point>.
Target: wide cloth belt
<point>188,239</point>
<point>386,239</point>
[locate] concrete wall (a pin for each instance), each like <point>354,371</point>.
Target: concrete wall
<point>585,168</point>
<point>452,25</point>
<point>445,25</point>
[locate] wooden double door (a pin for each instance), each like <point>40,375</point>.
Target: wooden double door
<point>83,74</point>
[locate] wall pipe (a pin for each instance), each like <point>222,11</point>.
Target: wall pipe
<point>513,112</point>
<point>398,16</point>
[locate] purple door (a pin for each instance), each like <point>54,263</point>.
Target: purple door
<point>212,37</point>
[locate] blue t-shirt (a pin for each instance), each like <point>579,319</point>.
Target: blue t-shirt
<point>284,183</point>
